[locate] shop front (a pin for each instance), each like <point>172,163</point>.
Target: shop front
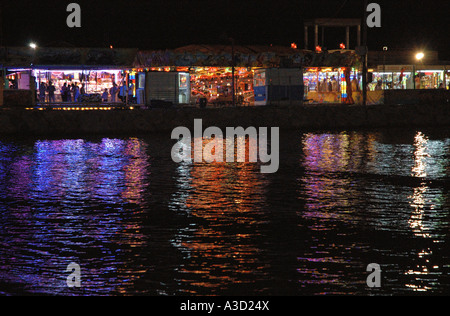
<point>401,77</point>
<point>331,85</point>
<point>211,73</point>
<point>215,84</point>
<point>78,85</point>
<point>213,67</point>
<point>70,75</point>
<point>391,77</point>
<point>430,78</point>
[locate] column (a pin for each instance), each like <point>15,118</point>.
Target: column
<point>323,36</point>
<point>316,36</point>
<point>306,37</point>
<point>359,35</point>
<point>347,37</point>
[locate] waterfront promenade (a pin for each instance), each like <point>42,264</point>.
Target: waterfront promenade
<point>142,121</point>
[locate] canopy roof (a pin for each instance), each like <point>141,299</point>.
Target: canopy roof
<point>192,55</point>
<point>245,56</point>
<point>67,57</point>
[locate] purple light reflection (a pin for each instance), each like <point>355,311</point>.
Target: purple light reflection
<point>72,200</point>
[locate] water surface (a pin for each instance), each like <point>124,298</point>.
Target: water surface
<point>138,223</point>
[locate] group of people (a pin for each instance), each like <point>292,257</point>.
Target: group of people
<point>328,85</point>
<point>73,92</point>
<point>121,93</point>
<point>69,92</point>
<point>332,85</point>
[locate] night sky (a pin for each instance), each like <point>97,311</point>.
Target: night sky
<point>159,24</point>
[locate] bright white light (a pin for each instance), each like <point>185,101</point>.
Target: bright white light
<point>420,56</point>
<point>33,45</point>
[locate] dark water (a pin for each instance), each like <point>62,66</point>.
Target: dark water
<point>138,223</point>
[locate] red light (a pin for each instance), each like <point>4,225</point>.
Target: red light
<point>294,46</point>
<point>342,46</point>
<point>318,49</point>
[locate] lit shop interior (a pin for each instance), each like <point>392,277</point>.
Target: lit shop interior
<point>329,85</point>
<point>447,79</point>
<point>390,80</point>
<point>93,81</point>
<point>430,79</point>
<point>215,84</point>
<point>401,78</point>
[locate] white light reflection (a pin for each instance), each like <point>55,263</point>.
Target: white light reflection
<point>420,155</point>
<point>416,221</point>
<point>420,225</point>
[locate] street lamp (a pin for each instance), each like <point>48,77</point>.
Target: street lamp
<point>419,57</point>
<point>33,45</point>
<point>384,79</point>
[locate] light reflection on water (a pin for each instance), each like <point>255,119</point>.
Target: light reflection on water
<point>138,223</point>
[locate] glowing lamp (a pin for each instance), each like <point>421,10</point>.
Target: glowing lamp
<point>342,46</point>
<point>318,49</point>
<point>33,45</point>
<point>294,46</point>
<point>420,56</point>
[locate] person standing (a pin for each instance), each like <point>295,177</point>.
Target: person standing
<point>122,92</point>
<point>64,92</point>
<point>51,92</point>
<point>418,82</point>
<point>76,94</point>
<point>42,89</point>
<point>113,92</point>
<point>334,84</point>
<point>105,96</point>
<point>131,93</point>
<point>69,93</point>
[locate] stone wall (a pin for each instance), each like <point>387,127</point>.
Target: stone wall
<point>420,96</point>
<point>17,98</point>
<point>312,117</point>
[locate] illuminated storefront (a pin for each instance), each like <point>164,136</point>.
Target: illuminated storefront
<point>401,77</point>
<point>70,75</point>
<point>90,82</point>
<point>329,85</point>
<point>430,78</point>
<point>391,77</point>
<point>215,84</point>
<point>209,67</point>
<point>447,78</point>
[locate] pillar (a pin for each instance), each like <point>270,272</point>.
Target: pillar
<point>347,37</point>
<point>323,37</point>
<point>358,39</point>
<point>316,36</point>
<point>306,37</point>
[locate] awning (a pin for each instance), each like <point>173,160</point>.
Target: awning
<point>67,57</point>
<point>245,56</point>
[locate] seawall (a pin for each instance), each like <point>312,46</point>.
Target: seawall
<point>139,121</point>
